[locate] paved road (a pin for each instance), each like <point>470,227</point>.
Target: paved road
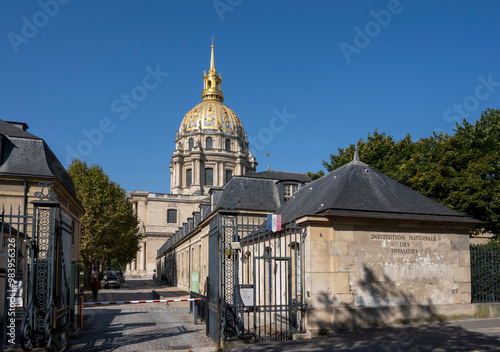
<point>140,327</point>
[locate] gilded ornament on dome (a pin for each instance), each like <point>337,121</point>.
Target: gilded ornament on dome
<point>210,109</point>
<point>210,121</point>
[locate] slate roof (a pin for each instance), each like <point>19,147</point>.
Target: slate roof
<point>282,176</point>
<point>357,189</point>
<point>247,193</point>
<point>24,154</point>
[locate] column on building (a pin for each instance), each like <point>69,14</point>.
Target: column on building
<point>144,256</point>
<point>178,176</point>
<point>140,262</point>
<point>216,182</point>
<point>198,172</point>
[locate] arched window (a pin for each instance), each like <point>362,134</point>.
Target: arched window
<point>191,144</point>
<point>228,145</point>
<point>172,216</point>
<point>210,143</point>
<point>209,177</point>
<point>189,177</point>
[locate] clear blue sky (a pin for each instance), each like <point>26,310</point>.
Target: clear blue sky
<point>339,69</point>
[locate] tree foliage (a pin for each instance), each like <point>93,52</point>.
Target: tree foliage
<point>461,171</point>
<point>109,227</point>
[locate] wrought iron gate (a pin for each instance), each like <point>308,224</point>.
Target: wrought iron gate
<point>256,279</point>
<point>36,262</point>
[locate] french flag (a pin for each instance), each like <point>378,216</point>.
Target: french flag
<point>274,222</point>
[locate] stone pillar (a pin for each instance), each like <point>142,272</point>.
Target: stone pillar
<point>222,174</point>
<point>198,172</point>
<point>237,168</point>
<point>140,257</point>
<point>216,175</point>
<point>144,257</point>
<point>172,185</point>
<point>178,174</point>
<point>198,176</point>
<point>193,175</point>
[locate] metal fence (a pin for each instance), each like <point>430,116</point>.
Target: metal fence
<point>37,286</point>
<point>260,279</point>
<point>16,281</point>
<point>485,272</point>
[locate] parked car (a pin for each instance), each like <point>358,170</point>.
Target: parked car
<point>112,282</point>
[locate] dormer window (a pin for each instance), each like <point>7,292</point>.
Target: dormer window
<point>191,144</point>
<point>289,190</point>
<point>227,145</point>
<point>210,143</point>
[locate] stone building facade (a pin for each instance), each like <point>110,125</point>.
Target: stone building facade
<point>211,146</point>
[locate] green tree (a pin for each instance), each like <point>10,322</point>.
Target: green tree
<point>379,151</point>
<point>109,227</point>
<point>461,171</point>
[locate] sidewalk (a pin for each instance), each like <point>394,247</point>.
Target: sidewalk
<point>468,335</point>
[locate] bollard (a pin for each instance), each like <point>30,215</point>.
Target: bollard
<point>80,312</point>
<point>195,312</point>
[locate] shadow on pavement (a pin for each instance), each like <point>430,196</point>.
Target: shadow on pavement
<point>413,338</point>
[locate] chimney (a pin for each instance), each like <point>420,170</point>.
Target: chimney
<point>20,125</point>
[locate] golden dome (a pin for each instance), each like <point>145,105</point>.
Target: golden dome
<point>211,113</point>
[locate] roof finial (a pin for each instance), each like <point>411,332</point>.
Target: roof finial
<point>212,61</point>
<point>356,156</point>
<point>269,165</point>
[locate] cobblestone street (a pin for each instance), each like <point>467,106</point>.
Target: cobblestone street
<point>140,327</point>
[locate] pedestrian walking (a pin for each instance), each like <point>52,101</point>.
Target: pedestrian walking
<point>95,286</point>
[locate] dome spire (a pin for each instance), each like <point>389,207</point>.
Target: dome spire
<point>212,60</point>
<point>212,82</point>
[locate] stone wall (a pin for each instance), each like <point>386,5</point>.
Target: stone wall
<point>364,273</point>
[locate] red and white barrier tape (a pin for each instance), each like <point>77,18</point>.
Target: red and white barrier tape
<point>146,301</point>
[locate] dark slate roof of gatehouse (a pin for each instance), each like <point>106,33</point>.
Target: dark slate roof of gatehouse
<point>24,154</point>
<point>357,189</point>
